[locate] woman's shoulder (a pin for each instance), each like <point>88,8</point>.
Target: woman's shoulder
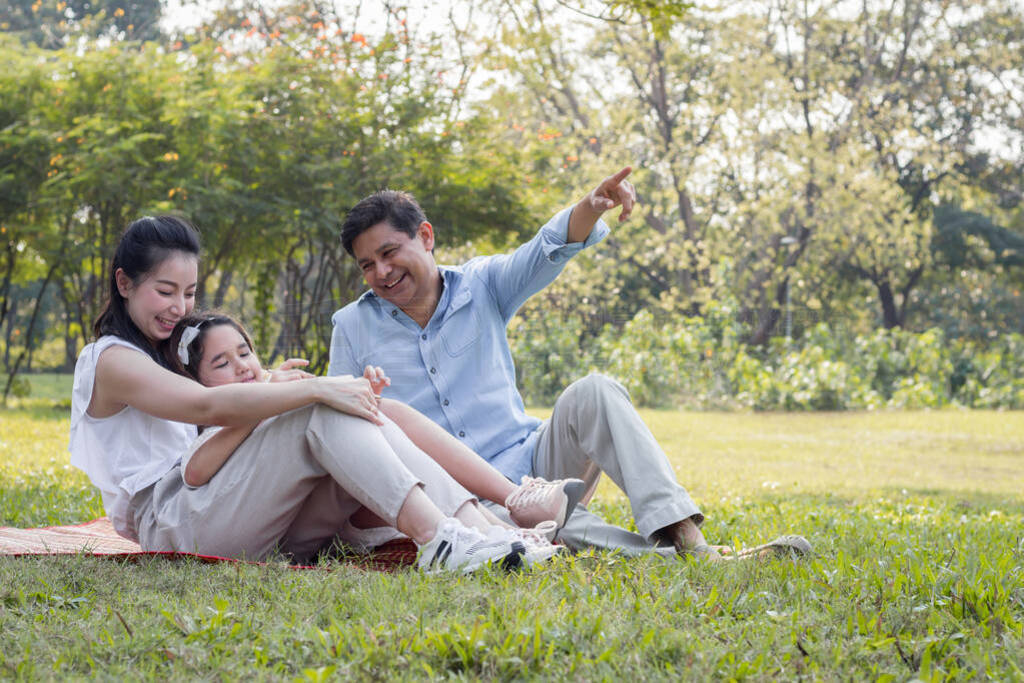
<point>89,358</point>
<point>91,352</point>
<point>108,340</point>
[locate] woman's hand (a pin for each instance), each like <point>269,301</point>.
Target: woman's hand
<point>352,395</point>
<point>288,371</point>
<point>377,378</point>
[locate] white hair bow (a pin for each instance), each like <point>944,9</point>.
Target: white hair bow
<point>188,335</point>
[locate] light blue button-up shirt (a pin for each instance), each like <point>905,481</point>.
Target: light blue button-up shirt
<point>458,370</point>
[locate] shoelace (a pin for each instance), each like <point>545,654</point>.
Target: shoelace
<point>539,534</point>
<point>533,490</point>
<point>471,536</point>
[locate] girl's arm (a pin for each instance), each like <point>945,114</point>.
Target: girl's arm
<point>126,377</point>
<point>214,452</point>
<point>465,466</point>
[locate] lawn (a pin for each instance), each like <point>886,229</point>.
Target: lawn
<point>917,520</point>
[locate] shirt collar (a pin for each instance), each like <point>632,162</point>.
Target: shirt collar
<point>457,292</point>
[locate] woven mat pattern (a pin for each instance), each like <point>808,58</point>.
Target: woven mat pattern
<point>99,539</point>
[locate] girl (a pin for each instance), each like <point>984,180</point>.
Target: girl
<point>317,455</point>
<point>214,349</point>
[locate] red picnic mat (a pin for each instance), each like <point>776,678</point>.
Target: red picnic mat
<point>99,539</point>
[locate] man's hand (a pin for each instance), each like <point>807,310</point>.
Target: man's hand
<point>613,191</point>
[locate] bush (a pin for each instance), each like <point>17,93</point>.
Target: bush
<point>701,362</point>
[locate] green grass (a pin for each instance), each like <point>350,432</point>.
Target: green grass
<point>50,386</point>
<point>917,519</point>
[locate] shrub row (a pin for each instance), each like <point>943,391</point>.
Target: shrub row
<point>704,363</point>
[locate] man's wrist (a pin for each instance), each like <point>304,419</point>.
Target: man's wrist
<point>581,221</point>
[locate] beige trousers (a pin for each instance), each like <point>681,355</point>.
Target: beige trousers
<point>291,486</point>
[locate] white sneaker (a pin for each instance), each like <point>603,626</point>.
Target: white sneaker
<point>536,541</point>
<point>457,548</point>
<point>537,500</point>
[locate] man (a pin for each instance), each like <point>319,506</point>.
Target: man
<point>440,334</point>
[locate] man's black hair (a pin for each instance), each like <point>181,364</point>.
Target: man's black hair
<point>398,209</point>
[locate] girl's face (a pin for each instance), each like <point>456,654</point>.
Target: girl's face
<point>162,296</point>
<point>227,358</point>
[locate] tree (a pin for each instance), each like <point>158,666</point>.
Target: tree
<point>51,24</point>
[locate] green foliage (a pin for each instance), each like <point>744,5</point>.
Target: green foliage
<point>547,352</point>
<point>54,24</point>
<point>780,152</point>
<point>264,144</point>
<point>781,157</point>
<point>954,228</point>
<point>701,362</point>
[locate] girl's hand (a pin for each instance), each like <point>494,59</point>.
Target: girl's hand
<point>378,380</point>
<point>289,371</point>
<point>352,395</point>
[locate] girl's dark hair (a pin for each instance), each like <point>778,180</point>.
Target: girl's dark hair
<point>145,244</point>
<point>205,321</point>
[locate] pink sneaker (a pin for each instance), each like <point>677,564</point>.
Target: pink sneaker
<point>538,500</point>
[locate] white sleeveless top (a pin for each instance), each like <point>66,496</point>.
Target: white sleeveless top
<point>123,453</point>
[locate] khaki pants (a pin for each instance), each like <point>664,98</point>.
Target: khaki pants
<point>292,486</point>
<point>594,428</point>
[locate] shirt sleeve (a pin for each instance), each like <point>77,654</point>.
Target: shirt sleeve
<point>342,360</point>
<point>516,277</point>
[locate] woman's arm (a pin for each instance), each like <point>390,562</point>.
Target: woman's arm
<point>211,455</point>
<point>126,377</point>
<point>465,466</point>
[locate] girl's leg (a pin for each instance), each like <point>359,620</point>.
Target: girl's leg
<point>474,515</point>
<point>438,484</point>
<point>531,503</point>
<point>465,466</point>
<point>418,517</point>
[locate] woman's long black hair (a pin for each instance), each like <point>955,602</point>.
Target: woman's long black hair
<point>145,244</point>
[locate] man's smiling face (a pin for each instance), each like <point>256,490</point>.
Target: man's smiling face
<point>399,268</point>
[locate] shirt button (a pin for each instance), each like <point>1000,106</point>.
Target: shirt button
<point>462,433</point>
<point>423,337</point>
<point>445,402</point>
<point>433,371</point>
<point>394,312</point>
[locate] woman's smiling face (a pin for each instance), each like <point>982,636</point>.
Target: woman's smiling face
<point>161,297</point>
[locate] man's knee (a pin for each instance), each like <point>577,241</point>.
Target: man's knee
<point>595,386</point>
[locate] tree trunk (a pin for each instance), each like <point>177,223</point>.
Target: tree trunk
<point>768,316</point>
<point>890,314</point>
<point>12,315</point>
<point>13,370</point>
<point>5,288</point>
<point>222,287</point>
<point>70,340</point>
